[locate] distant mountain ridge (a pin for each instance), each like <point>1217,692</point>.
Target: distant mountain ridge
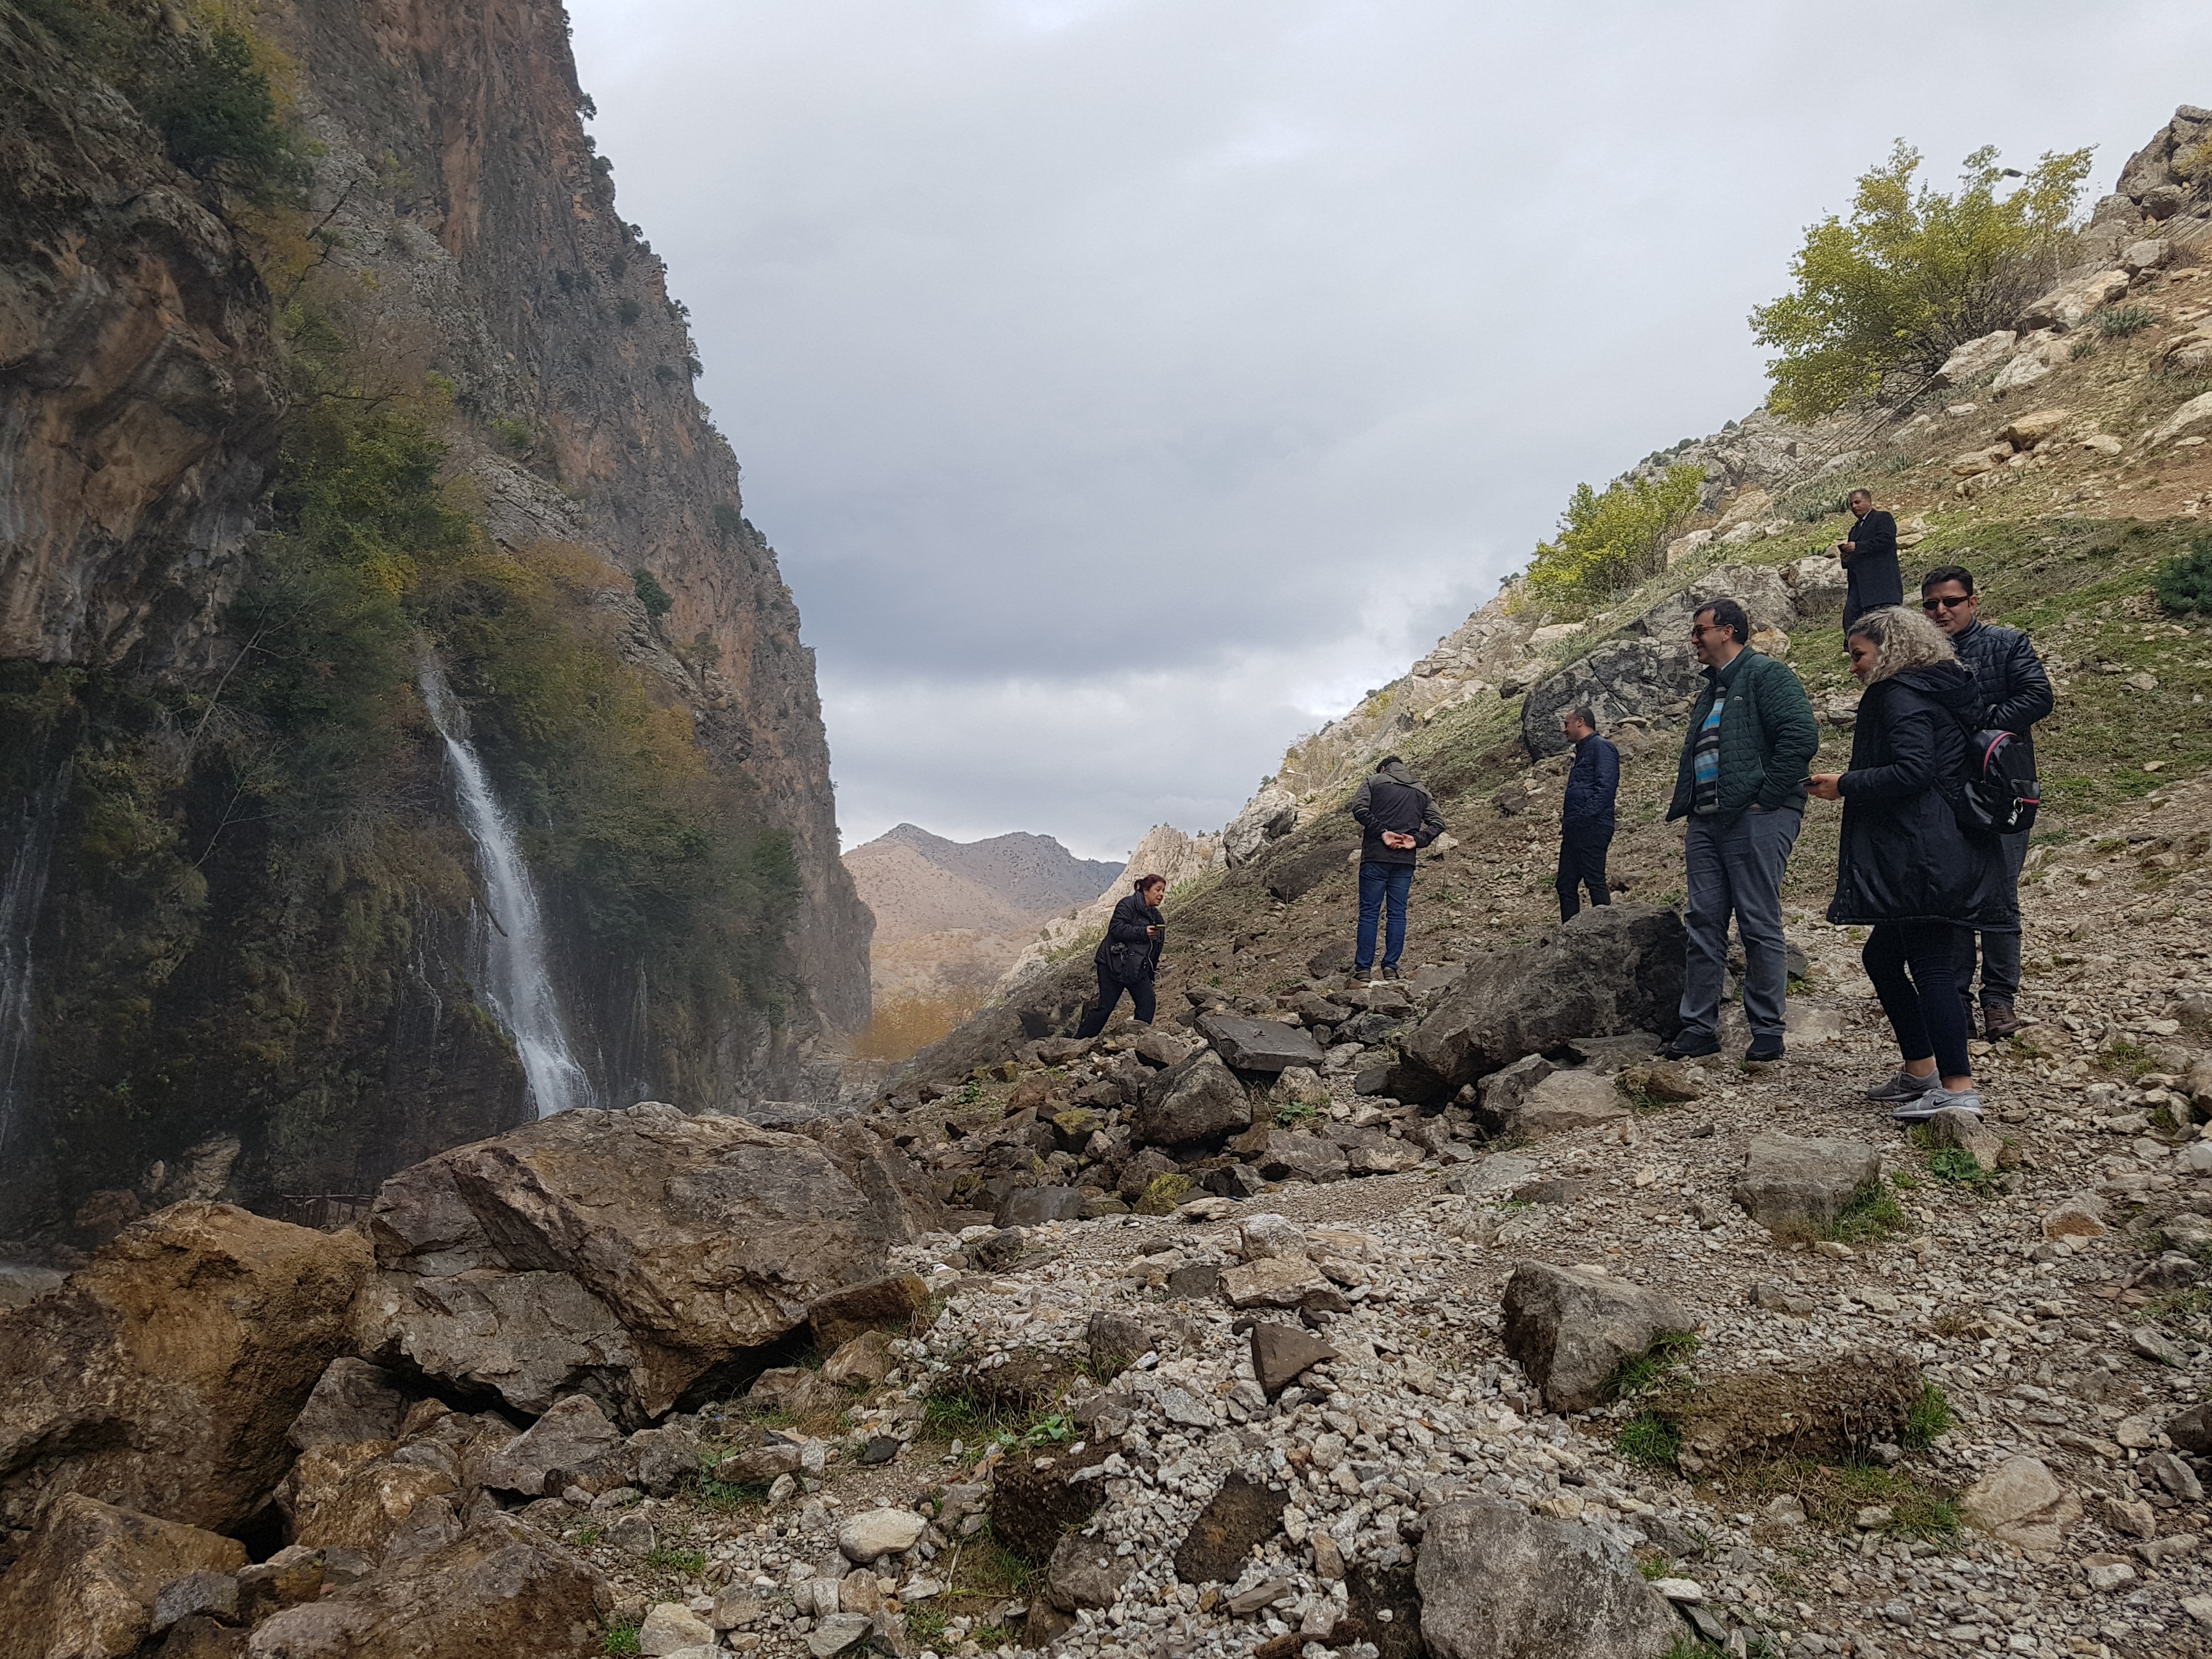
<point>951,916</point>
<point>1028,872</point>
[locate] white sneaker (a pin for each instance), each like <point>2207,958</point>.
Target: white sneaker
<point>1939,1099</point>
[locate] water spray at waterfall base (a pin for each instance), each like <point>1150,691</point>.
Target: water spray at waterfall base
<point>518,981</point>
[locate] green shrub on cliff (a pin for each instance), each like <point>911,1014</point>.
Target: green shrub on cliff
<point>208,92</point>
<point>1912,275</point>
<point>1610,541</point>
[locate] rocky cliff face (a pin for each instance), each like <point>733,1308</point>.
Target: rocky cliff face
<point>136,397</point>
<point>240,909</point>
<point>483,231</point>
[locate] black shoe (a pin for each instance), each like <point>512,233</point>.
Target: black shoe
<point>1690,1047</point>
<point>1763,1050</point>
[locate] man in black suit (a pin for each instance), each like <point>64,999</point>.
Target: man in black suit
<point>1870,558</point>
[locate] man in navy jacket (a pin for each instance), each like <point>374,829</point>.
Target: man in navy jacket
<point>1586,815</point>
<point>2009,677</point>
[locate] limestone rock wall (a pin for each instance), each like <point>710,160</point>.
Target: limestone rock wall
<point>466,194</point>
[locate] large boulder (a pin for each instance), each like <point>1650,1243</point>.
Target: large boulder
<point>1267,816</point>
<point>621,1255</point>
<point>493,1588</point>
<point>162,1377</point>
<point>1199,1099</point>
<point>1650,678</point>
<point>1498,1583</point>
<point>1760,589</point>
<point>363,1496</point>
<point>1799,1187</point>
<point>1613,970</point>
<point>1570,1328</point>
<point>86,1587</point>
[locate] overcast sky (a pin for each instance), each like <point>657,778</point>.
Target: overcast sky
<point>1126,385</point>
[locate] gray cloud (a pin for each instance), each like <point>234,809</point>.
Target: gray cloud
<point>1128,384</point>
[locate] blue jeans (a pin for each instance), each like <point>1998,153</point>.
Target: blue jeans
<point>1377,883</point>
<point>1737,868</point>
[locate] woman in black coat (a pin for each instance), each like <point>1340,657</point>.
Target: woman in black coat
<point>1905,869</point>
<point>1129,956</point>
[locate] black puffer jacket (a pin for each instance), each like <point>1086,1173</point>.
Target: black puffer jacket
<point>1903,857</point>
<point>1138,949</point>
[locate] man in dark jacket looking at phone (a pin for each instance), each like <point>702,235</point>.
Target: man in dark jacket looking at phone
<point>1586,815</point>
<point>1869,555</point>
<point>1400,819</point>
<point>2008,677</point>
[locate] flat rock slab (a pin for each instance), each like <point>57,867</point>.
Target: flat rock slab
<point>1272,1282</point>
<point>573,1433</point>
<point>1242,1513</point>
<point>1283,1353</point>
<point>1033,1206</point>
<point>1613,970</point>
<point>2021,1502</point>
<point>880,1532</point>
<point>1498,1583</point>
<point>493,1588</point>
<point>1085,1572</point>
<point>1567,1100</point>
<point>1570,1327</point>
<point>1259,1045</point>
<point>1800,1186</point>
<point>877,1303</point>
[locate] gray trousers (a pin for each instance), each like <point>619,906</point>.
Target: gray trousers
<point>1736,868</point>
<point>2000,951</point>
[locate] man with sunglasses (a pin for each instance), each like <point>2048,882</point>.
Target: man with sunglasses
<point>2009,677</point>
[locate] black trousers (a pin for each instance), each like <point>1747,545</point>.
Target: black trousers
<point>1912,967</point>
<point>1581,864</point>
<point>1110,994</point>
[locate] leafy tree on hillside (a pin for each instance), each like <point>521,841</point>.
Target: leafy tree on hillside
<point>1912,275</point>
<point>1610,541</point>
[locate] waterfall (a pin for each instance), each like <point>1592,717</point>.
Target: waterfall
<point>20,899</point>
<point>517,980</point>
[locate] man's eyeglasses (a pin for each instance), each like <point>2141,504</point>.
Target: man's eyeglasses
<point>1946,601</point>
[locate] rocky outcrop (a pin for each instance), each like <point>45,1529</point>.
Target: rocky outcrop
<point>1498,1583</point>
<point>1610,970</point>
<point>1571,1327</point>
<point>498,258</point>
<point>493,1587</point>
<point>163,1376</point>
<point>138,400</point>
<point>86,1587</point>
<point>620,1253</point>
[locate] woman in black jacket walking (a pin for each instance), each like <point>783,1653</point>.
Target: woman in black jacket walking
<point>1129,956</point>
<point>1905,869</point>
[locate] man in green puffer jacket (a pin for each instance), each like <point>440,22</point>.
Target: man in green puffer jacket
<point>1742,784</point>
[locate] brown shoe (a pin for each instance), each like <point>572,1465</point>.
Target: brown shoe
<point>1999,1022</point>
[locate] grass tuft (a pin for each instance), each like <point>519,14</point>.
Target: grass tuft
<point>1648,1370</point>
<point>1873,1213</point>
<point>621,1640</point>
<point>1929,1419</point>
<point>1649,1439</point>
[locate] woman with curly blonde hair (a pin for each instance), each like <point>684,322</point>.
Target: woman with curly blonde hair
<point>1905,869</point>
